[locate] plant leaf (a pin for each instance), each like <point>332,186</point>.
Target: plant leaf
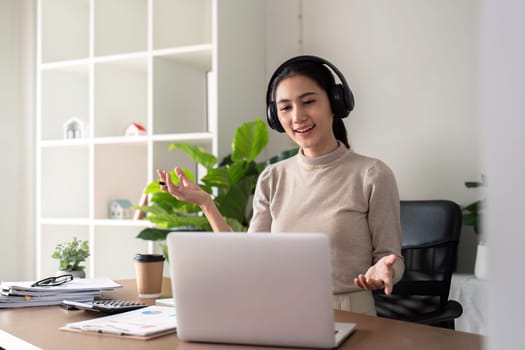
<point>217,177</point>
<point>160,234</point>
<point>198,154</point>
<point>152,188</point>
<point>473,184</point>
<point>172,220</point>
<point>153,234</point>
<point>473,207</point>
<point>170,204</point>
<point>236,225</point>
<point>187,172</point>
<point>233,203</point>
<point>236,171</point>
<point>249,141</point>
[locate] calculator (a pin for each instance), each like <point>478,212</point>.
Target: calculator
<point>107,306</point>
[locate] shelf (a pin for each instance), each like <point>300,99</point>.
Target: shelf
<point>198,56</point>
<point>82,142</point>
<point>96,222</point>
<point>72,66</point>
<point>187,137</point>
<point>120,140</point>
<point>103,65</point>
<point>98,141</point>
<point>122,223</point>
<point>65,221</point>
<point>202,138</point>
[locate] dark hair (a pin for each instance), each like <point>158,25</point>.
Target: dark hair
<point>322,76</point>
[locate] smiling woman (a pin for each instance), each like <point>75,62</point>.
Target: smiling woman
<point>326,187</point>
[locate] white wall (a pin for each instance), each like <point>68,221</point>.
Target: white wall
<point>414,69</point>
<point>16,140</point>
<point>413,66</point>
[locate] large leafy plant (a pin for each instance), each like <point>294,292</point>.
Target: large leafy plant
<point>231,182</point>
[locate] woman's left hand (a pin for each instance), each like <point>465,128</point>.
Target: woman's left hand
<point>379,275</point>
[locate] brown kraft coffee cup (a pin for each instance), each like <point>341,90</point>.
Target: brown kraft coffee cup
<point>148,268</point>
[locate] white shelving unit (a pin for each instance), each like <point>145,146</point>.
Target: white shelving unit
<point>166,64</point>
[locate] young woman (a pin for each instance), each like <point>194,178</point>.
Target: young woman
<point>326,187</point>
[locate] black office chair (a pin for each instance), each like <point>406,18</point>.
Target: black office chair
<point>431,231</point>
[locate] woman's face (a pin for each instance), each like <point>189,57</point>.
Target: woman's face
<point>304,111</point>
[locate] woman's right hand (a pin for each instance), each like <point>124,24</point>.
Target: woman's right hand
<point>189,191</point>
<point>186,191</point>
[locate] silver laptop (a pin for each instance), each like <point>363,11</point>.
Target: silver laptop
<point>258,289</point>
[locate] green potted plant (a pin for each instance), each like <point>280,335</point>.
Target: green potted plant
<point>232,182</point>
<point>472,216</point>
<point>71,255</point>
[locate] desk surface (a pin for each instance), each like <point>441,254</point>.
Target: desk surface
<point>40,326</point>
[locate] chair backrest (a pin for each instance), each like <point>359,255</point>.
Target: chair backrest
<point>430,230</point>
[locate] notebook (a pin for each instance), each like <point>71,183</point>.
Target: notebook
<point>257,289</point>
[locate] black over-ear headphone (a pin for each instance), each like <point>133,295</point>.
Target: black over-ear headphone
<point>340,95</point>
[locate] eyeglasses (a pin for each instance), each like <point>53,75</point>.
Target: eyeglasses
<point>53,281</point>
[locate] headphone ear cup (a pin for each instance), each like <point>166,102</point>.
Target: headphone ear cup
<point>342,103</point>
<point>272,118</point>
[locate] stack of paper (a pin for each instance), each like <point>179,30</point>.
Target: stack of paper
<point>22,294</point>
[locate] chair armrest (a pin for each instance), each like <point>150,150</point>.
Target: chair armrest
<point>450,312</point>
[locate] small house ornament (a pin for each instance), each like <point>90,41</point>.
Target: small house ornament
<point>135,129</point>
<point>73,129</point>
<point>120,209</point>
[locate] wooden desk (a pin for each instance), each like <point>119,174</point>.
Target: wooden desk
<point>40,326</point>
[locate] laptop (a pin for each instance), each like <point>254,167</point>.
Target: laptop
<point>256,289</point>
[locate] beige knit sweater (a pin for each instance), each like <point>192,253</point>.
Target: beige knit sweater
<point>350,197</point>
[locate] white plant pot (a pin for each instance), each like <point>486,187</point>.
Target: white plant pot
<point>76,273</point>
<point>481,264</point>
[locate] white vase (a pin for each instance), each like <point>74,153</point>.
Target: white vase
<point>481,264</point>
<point>75,273</point>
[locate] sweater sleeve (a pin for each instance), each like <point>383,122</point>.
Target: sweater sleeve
<point>261,220</point>
<point>384,215</point>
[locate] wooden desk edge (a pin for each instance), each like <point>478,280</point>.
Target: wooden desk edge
<point>40,326</point>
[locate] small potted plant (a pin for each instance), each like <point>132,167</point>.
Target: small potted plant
<point>71,255</point>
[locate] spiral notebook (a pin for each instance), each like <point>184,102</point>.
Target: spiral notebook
<point>146,323</point>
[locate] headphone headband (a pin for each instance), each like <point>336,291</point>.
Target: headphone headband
<point>340,95</point>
